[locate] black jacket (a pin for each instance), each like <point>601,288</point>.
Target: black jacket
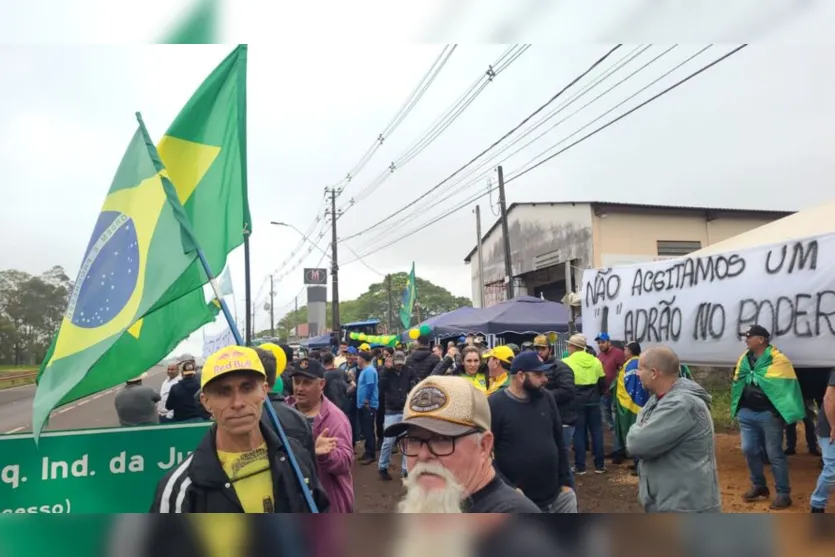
<point>422,361</point>
<point>336,388</point>
<point>199,484</point>
<point>395,387</point>
<point>561,386</point>
<point>181,399</point>
<point>295,424</point>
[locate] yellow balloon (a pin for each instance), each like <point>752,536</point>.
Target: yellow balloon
<point>280,357</point>
<point>414,334</point>
<point>361,336</point>
<point>552,337</point>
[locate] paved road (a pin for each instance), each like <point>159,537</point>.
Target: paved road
<point>94,411</point>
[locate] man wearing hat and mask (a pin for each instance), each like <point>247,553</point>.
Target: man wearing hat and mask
<point>240,465</point>
<point>446,440</point>
<point>134,403</point>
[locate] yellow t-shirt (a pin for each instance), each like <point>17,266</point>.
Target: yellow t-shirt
<point>250,475</point>
<point>222,535</point>
<point>479,380</point>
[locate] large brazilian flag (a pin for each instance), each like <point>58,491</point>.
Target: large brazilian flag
<point>204,153</point>
<point>141,245</point>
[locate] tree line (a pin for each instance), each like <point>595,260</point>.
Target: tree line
<point>31,310</point>
<point>374,304</point>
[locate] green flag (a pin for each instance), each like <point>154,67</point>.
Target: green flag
<point>407,302</point>
<point>204,152</point>
<point>140,246</point>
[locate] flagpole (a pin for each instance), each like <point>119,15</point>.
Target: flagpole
<point>247,290</point>
<point>232,326</point>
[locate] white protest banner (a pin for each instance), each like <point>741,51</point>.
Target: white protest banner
<point>213,343</point>
<point>701,306</point>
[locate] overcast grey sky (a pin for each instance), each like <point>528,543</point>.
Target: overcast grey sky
<point>752,132</point>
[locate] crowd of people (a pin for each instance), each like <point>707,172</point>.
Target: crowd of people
<point>479,429</point>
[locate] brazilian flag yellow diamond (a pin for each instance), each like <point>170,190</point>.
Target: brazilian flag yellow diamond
<point>140,247</point>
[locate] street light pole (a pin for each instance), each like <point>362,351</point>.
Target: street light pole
<point>302,234</point>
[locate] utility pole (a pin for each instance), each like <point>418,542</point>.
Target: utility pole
<point>480,257</point>
<point>272,308</point>
<point>334,264</point>
<point>508,269</point>
<point>391,305</point>
<point>295,320</point>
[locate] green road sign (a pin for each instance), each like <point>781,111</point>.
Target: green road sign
<point>112,470</point>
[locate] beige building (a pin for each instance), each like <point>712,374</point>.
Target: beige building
<point>546,236</point>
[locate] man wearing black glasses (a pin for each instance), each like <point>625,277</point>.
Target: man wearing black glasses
<point>445,436</point>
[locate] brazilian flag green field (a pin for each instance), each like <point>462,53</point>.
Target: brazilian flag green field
<point>105,340</point>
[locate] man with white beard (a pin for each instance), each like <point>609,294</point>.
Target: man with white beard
<point>445,436</point>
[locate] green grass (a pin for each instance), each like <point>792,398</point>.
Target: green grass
<point>16,368</point>
<point>720,410</point>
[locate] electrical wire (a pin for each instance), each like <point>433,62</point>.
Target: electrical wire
<point>428,201</point>
<point>443,122</point>
<point>587,136</point>
<point>416,95</point>
<point>497,142</point>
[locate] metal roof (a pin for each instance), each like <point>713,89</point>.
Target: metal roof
<point>686,208</point>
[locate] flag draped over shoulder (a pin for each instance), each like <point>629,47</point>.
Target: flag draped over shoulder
<point>204,152</point>
<point>775,375</point>
<point>630,397</point>
<point>407,302</point>
<point>140,246</point>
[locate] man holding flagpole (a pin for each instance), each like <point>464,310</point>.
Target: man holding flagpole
<point>240,466</point>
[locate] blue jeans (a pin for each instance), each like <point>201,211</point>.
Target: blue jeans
<point>826,481</point>
<point>588,417</point>
<point>388,444</point>
<point>568,436</point>
<point>606,408</point>
<point>758,429</point>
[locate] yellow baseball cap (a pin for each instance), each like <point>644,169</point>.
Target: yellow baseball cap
<point>502,353</point>
<point>228,360</point>
<point>540,340</point>
<point>446,405</point>
<point>365,347</point>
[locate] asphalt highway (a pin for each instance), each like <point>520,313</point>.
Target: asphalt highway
<point>94,411</point>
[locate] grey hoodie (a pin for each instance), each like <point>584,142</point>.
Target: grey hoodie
<point>673,438</point>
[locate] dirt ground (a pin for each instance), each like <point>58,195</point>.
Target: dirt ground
<point>617,490</point>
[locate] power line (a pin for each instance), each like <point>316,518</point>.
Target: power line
<point>633,109</point>
<point>428,201</point>
<point>505,136</point>
<point>590,134</point>
<point>358,258</point>
<point>413,99</point>
<point>444,121</point>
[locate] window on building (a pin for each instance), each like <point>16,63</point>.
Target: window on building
<point>675,248</point>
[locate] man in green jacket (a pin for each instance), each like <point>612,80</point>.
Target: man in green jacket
<point>590,383</point>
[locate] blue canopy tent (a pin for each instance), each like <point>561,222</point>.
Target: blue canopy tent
<point>440,323</point>
<point>524,314</point>
<point>322,341</point>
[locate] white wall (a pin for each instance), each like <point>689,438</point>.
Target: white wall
<point>540,235</point>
